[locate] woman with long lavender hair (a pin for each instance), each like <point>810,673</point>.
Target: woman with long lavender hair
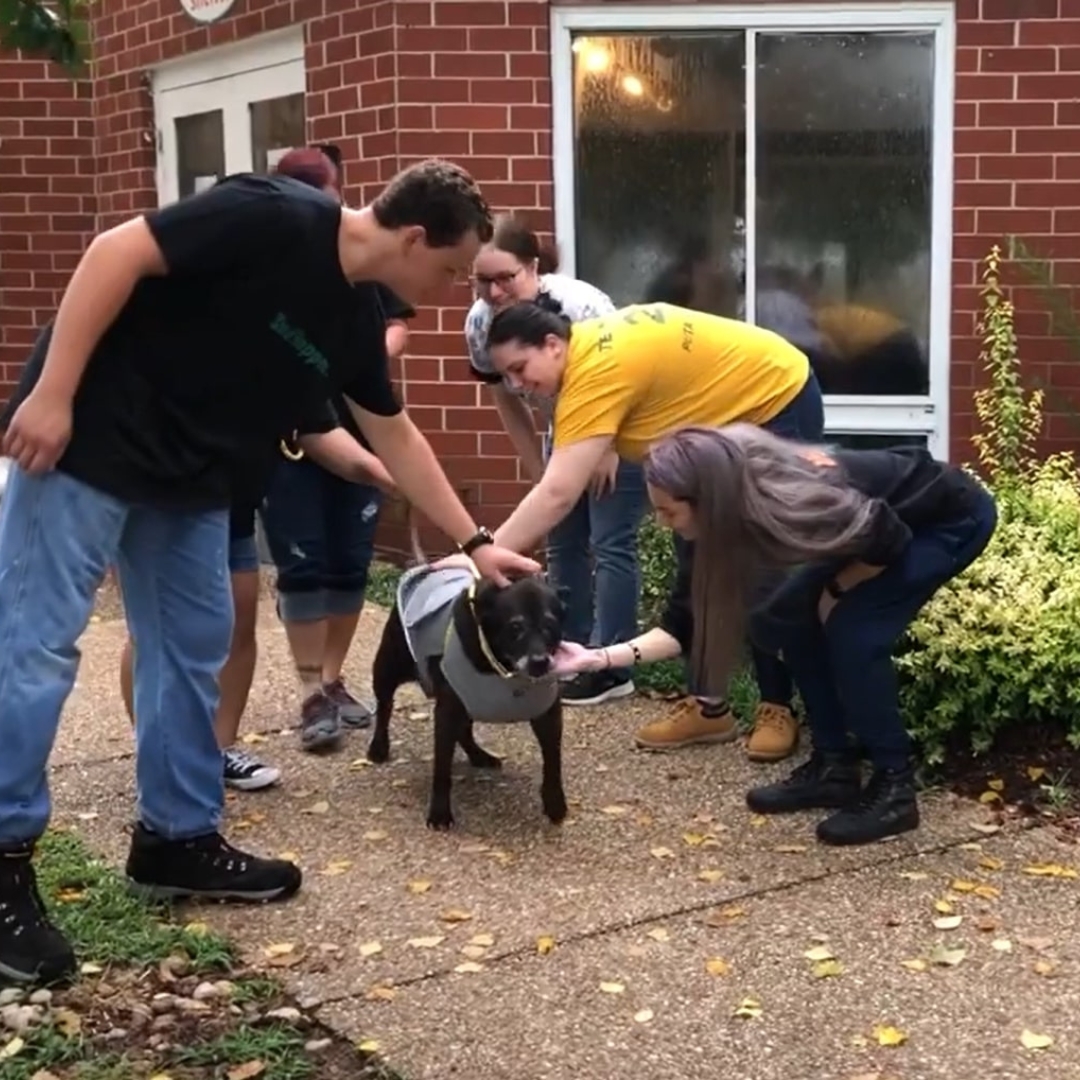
<point>867,538</point>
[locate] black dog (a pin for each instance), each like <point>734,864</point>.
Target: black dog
<point>500,640</point>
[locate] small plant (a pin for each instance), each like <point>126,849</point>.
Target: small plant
<point>56,30</point>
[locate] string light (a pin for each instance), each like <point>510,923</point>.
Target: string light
<point>596,59</point>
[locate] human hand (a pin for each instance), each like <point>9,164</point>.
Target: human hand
<point>39,431</point>
<point>603,478</point>
<point>454,562</point>
<point>496,562</point>
<point>570,658</point>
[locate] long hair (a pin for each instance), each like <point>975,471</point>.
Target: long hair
<point>529,322</point>
<point>761,504</point>
<point>514,236</point>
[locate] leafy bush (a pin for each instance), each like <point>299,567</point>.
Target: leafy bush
<point>1000,644</point>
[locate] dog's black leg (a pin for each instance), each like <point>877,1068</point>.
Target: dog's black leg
<point>478,757</point>
<point>391,660</point>
<point>548,732</point>
<point>448,723</point>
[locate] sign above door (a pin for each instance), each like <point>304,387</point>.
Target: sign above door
<point>207,11</point>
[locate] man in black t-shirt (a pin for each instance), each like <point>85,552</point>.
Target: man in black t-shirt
<point>187,342</point>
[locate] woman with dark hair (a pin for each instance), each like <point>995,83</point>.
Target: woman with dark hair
<point>592,552</point>
<point>622,381</point>
<point>868,537</point>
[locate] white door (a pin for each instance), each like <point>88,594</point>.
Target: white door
<point>229,110</point>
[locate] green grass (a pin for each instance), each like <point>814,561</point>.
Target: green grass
<point>278,1047</point>
<point>382,584</point>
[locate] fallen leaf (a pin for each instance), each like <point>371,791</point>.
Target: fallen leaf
<point>456,915</point>
<point>948,922</point>
<point>483,940</point>
<point>612,987</point>
<point>990,797</point>
<point>985,827</point>
<point>90,815</point>
<point>317,808</point>
<point>247,1071</point>
<point>615,810</point>
<point>376,834</point>
<point>827,969</point>
<point>643,1016</point>
<point>914,875</point>
<point>1035,772</point>
<point>1031,1041</point>
<point>986,892</point>
<point>95,969</point>
<point>757,820</point>
<point>161,1076</point>
<point>70,896</point>
<point>338,866</point>
<point>963,886</point>
<point>545,945</point>
<point>914,965</point>
<point>946,957</point>
<point>1050,870</point>
<point>944,907</point>
<point>473,952</point>
<point>381,993</point>
<point>819,953</point>
<point>252,738</point>
<point>1043,967</point>
<point>359,763</point>
<point>715,966</point>
<point>693,839</point>
<point>69,1023</point>
<point>368,1046</point>
<point>710,875</point>
<point>44,1074</point>
<point>987,924</point>
<point>988,862</point>
<point>1036,943</point>
<point>426,942</point>
<point>289,856</point>
<point>662,853</point>
<point>1001,945</point>
<point>12,1048</point>
<point>790,849</point>
<point>418,887</point>
<point>469,967</point>
<point>996,785</point>
<point>889,1036</point>
<point>284,948</point>
<point>747,1009</point>
<point>371,948</point>
<point>658,934</point>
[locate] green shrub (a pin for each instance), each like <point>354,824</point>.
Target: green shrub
<point>1000,644</point>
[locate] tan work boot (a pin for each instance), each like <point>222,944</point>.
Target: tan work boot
<point>775,735</point>
<point>686,725</point>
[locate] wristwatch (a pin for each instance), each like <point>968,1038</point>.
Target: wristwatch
<point>483,536</point>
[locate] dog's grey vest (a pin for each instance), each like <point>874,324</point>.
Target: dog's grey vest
<point>425,599</point>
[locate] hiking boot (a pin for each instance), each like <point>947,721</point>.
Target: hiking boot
<point>245,772</point>
<point>32,950</point>
<point>320,723</point>
<point>887,807</point>
<point>596,687</point>
<point>775,734</point>
<point>823,782</point>
<point>205,867</point>
<point>688,725</point>
<point>352,713</point>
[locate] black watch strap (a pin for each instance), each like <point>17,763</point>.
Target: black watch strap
<point>482,537</point>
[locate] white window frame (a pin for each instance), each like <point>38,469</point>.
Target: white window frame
<point>927,414</point>
<point>228,78</point>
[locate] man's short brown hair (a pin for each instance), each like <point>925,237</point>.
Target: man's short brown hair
<point>439,196</point>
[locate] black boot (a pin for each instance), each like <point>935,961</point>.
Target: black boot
<point>825,781</point>
<point>888,807</point>
<point>205,867</point>
<point>32,950</point>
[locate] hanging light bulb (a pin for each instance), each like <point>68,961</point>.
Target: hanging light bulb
<point>633,85</point>
<point>595,59</point>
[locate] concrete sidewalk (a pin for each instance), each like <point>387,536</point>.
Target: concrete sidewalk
<point>662,933</point>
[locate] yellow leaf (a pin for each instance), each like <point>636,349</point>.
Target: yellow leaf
<point>715,966</point>
<point>381,993</point>
<point>1035,772</point>
<point>483,940</point>
<point>827,969</point>
<point>368,1046</point>
<point>69,1023</point>
<point>359,763</point>
<point>986,828</point>
<point>317,808</point>
<point>252,738</point>
<point>693,839</point>
<point>757,820</point>
<point>889,1036</point>
<point>943,906</point>
<point>70,896</point>
<point>1050,870</point>
<point>948,922</point>
<point>426,942</point>
<point>285,948</point>
<point>376,834</point>
<point>545,945</point>
<point>643,1016</point>
<point>710,875</point>
<point>289,856</point>
<point>986,892</point>
<point>819,953</point>
<point>1001,945</point>
<point>455,915</point>
<point>914,875</point>
<point>790,849</point>
<point>989,797</point>
<point>612,987</point>
<point>161,1076</point>
<point>658,934</point>
<point>963,886</point>
<point>662,853</point>
<point>419,887</point>
<point>747,1009</point>
<point>247,1071</point>
<point>945,957</point>
<point>914,965</point>
<point>1031,1041</point>
<point>473,952</point>
<point>338,866</point>
<point>469,967</point>
<point>371,948</point>
<point>996,785</point>
<point>94,969</point>
<point>988,862</point>
<point>12,1048</point>
<point>1043,967</point>
<point>615,810</point>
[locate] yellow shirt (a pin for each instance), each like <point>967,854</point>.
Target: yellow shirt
<point>646,370</point>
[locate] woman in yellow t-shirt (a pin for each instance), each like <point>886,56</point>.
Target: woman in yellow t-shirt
<point>625,380</point>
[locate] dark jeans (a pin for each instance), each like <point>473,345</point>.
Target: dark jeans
<point>843,668</point>
<point>321,533</point>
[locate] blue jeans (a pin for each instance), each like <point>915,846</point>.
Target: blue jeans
<point>57,538</point>
<point>843,668</point>
<point>602,533</point>
<point>321,533</point>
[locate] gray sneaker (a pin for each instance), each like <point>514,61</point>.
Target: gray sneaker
<point>353,713</point>
<point>320,725</point>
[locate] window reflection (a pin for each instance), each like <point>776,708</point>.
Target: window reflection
<point>277,126</point>
<point>200,151</point>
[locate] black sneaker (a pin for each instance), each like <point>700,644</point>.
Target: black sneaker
<point>32,950</point>
<point>320,724</point>
<point>822,782</point>
<point>207,868</point>
<point>887,808</point>
<point>353,713</point>
<point>596,687</point>
<point>245,772</point>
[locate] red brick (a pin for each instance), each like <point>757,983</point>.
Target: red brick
<point>1018,222</point>
<point>1068,113</point>
<point>985,87</point>
<point>1018,59</point>
<point>1016,114</point>
<point>476,13</point>
<point>970,32</point>
<point>1067,166</point>
<point>1047,140</point>
<point>1050,195</point>
<point>1058,32</point>
<point>1016,167</point>
<point>1067,221</point>
<point>983,141</point>
<point>983,194</point>
<point>1048,87</point>
<point>1019,9</point>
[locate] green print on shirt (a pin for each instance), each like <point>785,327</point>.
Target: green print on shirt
<point>301,346</point>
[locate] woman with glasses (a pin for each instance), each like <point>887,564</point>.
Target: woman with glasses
<point>592,552</point>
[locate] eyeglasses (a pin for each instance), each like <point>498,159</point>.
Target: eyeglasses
<point>483,283</point>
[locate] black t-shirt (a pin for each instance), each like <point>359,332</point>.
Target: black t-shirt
<point>251,331</point>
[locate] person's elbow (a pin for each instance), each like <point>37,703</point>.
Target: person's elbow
<point>397,339</point>
<point>130,246</point>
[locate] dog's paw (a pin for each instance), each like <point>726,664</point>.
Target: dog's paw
<point>554,803</point>
<point>378,753</point>
<point>439,818</point>
<point>481,759</point>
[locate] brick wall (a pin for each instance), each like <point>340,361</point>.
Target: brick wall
<point>392,81</point>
